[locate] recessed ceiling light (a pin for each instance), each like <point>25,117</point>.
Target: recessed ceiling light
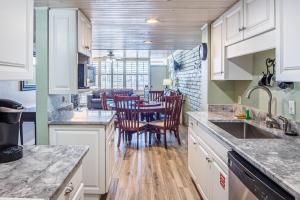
<point>152,21</point>
<point>148,42</point>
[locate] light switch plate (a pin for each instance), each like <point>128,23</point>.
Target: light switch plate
<point>292,105</point>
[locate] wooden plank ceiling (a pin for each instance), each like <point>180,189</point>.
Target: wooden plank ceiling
<point>121,24</point>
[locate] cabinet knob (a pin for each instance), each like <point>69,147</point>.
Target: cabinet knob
<point>241,29</point>
<point>192,124</point>
<point>208,159</point>
<point>87,47</point>
<point>69,189</point>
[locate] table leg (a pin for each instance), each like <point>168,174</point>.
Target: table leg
<point>35,133</point>
<point>21,132</point>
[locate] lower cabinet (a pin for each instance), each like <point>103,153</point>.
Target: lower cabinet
<point>99,161</point>
<point>74,188</point>
<point>209,172</point>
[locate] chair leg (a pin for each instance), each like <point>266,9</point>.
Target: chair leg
<point>150,134</point>
<point>137,140</point>
<point>119,137</point>
<point>145,134</point>
<point>165,138</point>
<point>178,137</point>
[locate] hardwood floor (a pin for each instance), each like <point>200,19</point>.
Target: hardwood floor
<point>153,173</point>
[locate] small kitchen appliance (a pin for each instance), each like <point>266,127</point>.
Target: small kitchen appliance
<point>10,115</point>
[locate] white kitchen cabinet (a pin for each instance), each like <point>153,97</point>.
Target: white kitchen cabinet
<point>217,50</point>
<point>207,160</point>
<point>219,177</point>
<point>259,17</point>
<point>69,34</point>
<point>240,68</point>
<point>248,18</point>
<point>16,39</point>
<point>99,161</point>
<point>62,51</point>
<point>233,20</point>
<point>84,35</point>
<point>287,40</point>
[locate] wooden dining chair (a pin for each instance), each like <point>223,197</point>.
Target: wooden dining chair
<point>128,115</point>
<point>104,101</point>
<point>178,114</point>
<point>172,104</point>
<point>156,96</point>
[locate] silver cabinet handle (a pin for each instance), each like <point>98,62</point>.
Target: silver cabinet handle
<point>69,189</point>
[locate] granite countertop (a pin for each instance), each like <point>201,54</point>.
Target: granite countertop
<point>41,172</point>
<point>82,117</point>
<point>279,159</point>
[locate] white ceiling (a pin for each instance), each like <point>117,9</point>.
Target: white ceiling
<point>120,24</point>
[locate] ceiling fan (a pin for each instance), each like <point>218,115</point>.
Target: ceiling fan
<point>110,56</point>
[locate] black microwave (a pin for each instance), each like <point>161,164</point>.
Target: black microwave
<point>86,76</point>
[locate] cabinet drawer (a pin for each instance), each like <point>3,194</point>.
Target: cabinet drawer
<point>73,186</point>
<point>220,148</point>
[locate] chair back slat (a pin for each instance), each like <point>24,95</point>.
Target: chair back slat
<point>127,109</point>
<point>156,95</point>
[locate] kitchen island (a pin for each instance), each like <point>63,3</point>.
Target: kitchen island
<point>278,159</point>
<point>44,172</point>
<point>94,128</point>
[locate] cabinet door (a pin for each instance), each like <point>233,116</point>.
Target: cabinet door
<point>88,39</point>
<point>259,17</point>
<point>81,33</point>
<point>63,51</point>
<point>94,161</point>
<point>217,50</point>
<point>233,20</point>
<point>110,160</point>
<point>202,160</point>
<point>219,182</point>
<point>288,43</point>
<point>192,146</point>
<point>16,39</point>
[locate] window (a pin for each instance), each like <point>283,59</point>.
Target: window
<point>106,74</point>
<point>131,73</point>
<point>143,73</point>
<point>118,73</point>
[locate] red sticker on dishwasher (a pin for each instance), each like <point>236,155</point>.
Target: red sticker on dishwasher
<point>222,181</point>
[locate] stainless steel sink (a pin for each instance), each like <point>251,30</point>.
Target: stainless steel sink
<point>244,130</point>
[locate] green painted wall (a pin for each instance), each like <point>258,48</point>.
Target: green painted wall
<point>259,99</point>
<point>42,75</point>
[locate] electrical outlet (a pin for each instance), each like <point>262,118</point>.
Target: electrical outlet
<point>292,105</point>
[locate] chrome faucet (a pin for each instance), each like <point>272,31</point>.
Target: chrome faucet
<point>270,121</point>
<point>286,127</point>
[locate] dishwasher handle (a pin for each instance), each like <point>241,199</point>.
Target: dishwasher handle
<point>258,183</point>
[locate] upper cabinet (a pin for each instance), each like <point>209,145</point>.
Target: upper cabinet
<point>240,68</point>
<point>16,39</point>
<point>217,50</point>
<point>234,24</point>
<point>287,39</point>
<point>84,35</point>
<point>248,18</point>
<point>259,17</point>
<point>69,34</point>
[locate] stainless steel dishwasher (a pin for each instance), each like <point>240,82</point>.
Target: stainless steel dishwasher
<point>248,183</point>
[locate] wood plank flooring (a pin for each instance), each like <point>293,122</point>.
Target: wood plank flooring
<point>153,173</point>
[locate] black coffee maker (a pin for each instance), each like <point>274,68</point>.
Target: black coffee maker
<point>10,115</point>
